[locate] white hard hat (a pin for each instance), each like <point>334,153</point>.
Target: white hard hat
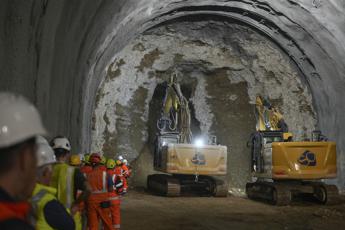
<point>61,143</point>
<point>19,120</point>
<point>120,158</point>
<point>124,161</point>
<point>45,154</point>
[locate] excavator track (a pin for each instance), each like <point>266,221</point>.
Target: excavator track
<point>164,185</point>
<point>220,188</point>
<point>281,193</point>
<point>326,194</point>
<point>270,192</point>
<point>173,186</point>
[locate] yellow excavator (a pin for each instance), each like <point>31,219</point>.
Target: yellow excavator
<point>284,168</point>
<point>185,166</point>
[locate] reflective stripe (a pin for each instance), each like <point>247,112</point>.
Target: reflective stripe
<point>114,198</point>
<point>119,185</point>
<point>35,199</point>
<point>105,189</point>
<point>99,192</point>
<point>41,195</point>
<point>113,181</point>
<point>69,185</point>
<point>116,225</point>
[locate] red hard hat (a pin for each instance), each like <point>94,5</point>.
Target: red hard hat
<point>95,158</point>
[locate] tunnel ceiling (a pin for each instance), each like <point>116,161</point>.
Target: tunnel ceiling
<point>57,52</point>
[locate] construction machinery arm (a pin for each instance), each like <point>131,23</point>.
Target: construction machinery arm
<point>175,114</point>
<point>268,117</point>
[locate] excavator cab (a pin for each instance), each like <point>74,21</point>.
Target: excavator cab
<point>162,142</point>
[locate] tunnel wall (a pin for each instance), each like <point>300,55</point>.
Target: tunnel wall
<point>221,67</point>
<point>56,52</point>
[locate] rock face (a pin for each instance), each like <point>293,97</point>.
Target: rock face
<point>221,68</point>
<point>58,54</point>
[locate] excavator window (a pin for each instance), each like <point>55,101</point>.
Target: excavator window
<point>273,136</point>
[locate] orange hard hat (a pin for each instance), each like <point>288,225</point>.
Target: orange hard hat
<point>95,158</point>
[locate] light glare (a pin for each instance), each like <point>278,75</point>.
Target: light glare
<point>199,142</point>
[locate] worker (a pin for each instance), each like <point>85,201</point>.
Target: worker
<point>75,161</point>
<point>86,159</point>
<point>126,168</point>
<point>98,205</point>
<point>111,166</point>
<point>121,173</point>
<point>86,167</point>
<point>20,123</point>
<point>125,171</point>
<point>68,180</point>
<point>103,162</point>
<point>49,212</point>
<point>113,195</point>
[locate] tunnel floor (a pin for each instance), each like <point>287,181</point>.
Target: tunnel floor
<point>143,211</point>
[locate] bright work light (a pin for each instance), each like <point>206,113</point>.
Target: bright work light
<point>199,142</point>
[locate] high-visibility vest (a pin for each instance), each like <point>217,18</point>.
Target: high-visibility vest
<point>63,181</point>
<point>40,197</point>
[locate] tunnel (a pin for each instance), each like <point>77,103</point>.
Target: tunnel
<point>94,68</point>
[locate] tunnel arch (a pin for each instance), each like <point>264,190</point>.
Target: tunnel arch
<point>251,18</point>
<point>62,48</point>
<point>315,53</point>
<point>111,118</point>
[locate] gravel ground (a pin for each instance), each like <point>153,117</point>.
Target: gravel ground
<point>143,211</point>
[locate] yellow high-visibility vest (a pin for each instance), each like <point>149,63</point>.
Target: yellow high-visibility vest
<point>63,181</point>
<point>40,197</point>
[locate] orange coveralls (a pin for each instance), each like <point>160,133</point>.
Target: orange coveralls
<point>85,169</point>
<point>124,173</point>
<point>98,180</point>
<point>115,201</point>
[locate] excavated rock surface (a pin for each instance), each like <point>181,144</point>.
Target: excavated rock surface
<point>221,69</point>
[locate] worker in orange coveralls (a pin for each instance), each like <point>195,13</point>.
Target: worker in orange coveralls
<point>98,204</point>
<point>121,176</point>
<point>113,195</point>
<point>86,167</point>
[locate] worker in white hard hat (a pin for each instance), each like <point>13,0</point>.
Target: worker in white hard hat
<point>48,211</point>
<point>122,169</point>
<point>72,186</point>
<point>20,123</point>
